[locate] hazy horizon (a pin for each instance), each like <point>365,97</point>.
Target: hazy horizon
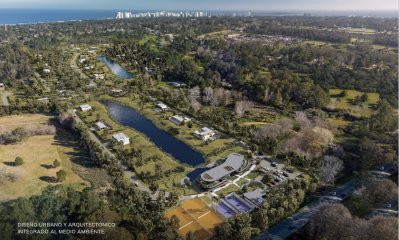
<point>209,5</point>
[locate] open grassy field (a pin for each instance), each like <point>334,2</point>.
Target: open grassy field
<point>364,109</point>
<point>38,153</point>
<point>12,122</point>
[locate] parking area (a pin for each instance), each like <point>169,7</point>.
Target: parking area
<point>279,171</point>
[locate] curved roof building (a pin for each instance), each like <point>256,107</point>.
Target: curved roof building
<point>232,164</point>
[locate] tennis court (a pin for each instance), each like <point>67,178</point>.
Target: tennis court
<point>194,215</point>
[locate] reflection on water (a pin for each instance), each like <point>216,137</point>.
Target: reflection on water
<point>115,68</point>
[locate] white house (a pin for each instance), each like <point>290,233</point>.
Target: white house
<point>161,107</point>
<point>121,137</point>
<point>179,120</point>
<point>46,70</point>
<point>204,134</point>
<point>99,76</point>
<point>85,107</point>
<point>100,125</point>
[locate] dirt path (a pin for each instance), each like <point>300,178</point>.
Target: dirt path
<point>4,96</point>
<point>75,66</point>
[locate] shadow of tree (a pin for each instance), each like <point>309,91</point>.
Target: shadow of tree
<point>80,154</point>
<point>11,164</point>
<point>47,166</point>
<point>48,179</point>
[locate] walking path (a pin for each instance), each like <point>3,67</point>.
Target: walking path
<point>4,96</point>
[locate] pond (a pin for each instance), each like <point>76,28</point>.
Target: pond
<point>128,117</point>
<point>115,68</point>
<point>195,173</point>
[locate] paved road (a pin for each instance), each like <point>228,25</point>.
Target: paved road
<point>75,66</point>
<point>292,224</point>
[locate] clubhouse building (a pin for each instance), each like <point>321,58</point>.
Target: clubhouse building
<point>235,163</point>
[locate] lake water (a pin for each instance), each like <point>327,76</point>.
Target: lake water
<point>115,68</point>
<point>195,173</point>
<point>164,140</point>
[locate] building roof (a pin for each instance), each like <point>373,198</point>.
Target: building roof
<point>232,163</point>
<point>85,106</point>
<point>100,125</point>
<point>177,118</point>
<point>204,131</point>
<point>120,137</point>
<point>162,105</point>
<point>255,196</point>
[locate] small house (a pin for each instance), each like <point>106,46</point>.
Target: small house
<point>85,107</point>
<point>100,125</point>
<point>205,134</point>
<point>122,138</point>
<point>161,107</point>
<point>179,120</point>
<point>46,70</point>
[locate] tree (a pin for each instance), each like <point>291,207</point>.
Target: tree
<point>333,222</point>
<point>267,178</point>
<point>65,120</point>
<point>385,119</point>
<point>19,161</point>
<point>371,154</point>
<point>383,228</point>
<point>310,142</point>
<point>237,227</point>
<point>61,175</point>
<point>260,219</point>
<point>329,168</point>
<point>380,191</point>
<point>241,107</point>
<point>56,163</point>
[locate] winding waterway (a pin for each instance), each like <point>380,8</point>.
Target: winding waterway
<point>128,117</point>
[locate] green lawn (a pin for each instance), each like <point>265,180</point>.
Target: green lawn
<point>364,109</point>
<point>231,188</point>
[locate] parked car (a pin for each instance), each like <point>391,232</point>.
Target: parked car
<point>274,164</point>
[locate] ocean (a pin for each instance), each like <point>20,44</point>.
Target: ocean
<point>27,16</point>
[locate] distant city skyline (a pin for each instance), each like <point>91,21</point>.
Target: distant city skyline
<point>228,5</point>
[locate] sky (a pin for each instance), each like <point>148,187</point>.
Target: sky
<point>265,5</point>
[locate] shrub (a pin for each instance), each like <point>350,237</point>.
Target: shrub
<point>56,163</point>
<point>19,161</point>
<point>61,175</point>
